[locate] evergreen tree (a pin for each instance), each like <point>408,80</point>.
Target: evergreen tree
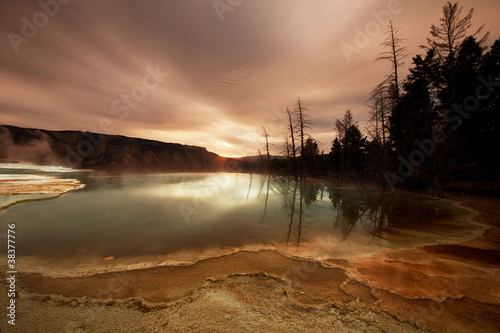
<point>349,145</point>
<point>414,117</point>
<point>353,145</point>
<point>336,155</point>
<point>310,155</point>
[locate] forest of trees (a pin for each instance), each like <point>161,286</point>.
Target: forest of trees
<point>438,126</point>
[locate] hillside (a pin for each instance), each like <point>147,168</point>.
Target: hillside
<point>112,154</point>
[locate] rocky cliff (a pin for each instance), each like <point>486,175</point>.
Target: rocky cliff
<point>113,154</point>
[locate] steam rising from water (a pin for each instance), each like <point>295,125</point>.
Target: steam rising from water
<point>36,151</point>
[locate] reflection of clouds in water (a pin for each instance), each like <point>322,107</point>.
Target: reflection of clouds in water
<point>309,208</point>
<point>139,215</point>
<point>223,190</point>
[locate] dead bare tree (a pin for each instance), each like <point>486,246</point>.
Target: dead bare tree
<point>450,33</point>
<point>261,158</point>
<point>287,148</point>
<point>291,129</point>
<point>395,53</point>
<point>302,124</point>
<point>267,148</point>
<point>447,38</point>
<point>380,111</point>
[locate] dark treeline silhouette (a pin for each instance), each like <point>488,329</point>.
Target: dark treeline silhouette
<point>444,126</point>
<point>437,128</point>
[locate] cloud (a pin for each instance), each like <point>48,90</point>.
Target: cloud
<point>235,72</point>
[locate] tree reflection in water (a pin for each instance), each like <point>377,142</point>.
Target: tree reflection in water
<point>298,197</point>
<point>372,212</point>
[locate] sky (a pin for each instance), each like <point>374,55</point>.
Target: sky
<point>207,73</point>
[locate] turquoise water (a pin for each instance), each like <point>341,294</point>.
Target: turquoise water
<point>164,214</point>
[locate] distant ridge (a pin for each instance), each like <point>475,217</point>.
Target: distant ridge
<point>113,154</point>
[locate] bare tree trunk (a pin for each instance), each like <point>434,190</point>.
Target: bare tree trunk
<point>380,110</point>
<point>395,41</point>
<point>300,120</point>
<point>395,55</point>
<point>292,137</point>
<point>267,149</point>
<point>303,124</point>
<point>261,158</point>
